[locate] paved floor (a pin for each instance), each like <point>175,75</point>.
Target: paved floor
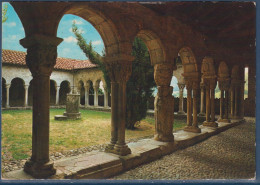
<point>228,155</point>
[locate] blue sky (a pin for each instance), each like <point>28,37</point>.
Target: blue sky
<point>12,32</point>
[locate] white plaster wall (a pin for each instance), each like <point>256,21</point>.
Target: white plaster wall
<point>11,72</point>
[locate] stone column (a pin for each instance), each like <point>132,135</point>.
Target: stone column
<point>164,103</point>
<point>86,95</point>
<point>181,87</point>
<point>236,102</point>
<point>226,119</point>
<point>202,107</point>
<point>232,101</point>
<point>189,108</point>
<point>7,95</point>
<point>96,87</point>
<point>105,97</point>
<point>57,95</point>
<point>207,104</point>
<point>40,59</point>
<point>26,95</point>
<point>119,69</point>
<point>221,111</point>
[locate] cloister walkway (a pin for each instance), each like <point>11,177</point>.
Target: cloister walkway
<point>228,155</point>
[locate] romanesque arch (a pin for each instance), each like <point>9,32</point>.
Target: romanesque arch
<point>17,93</point>
<point>81,90</point>
<point>64,90</point>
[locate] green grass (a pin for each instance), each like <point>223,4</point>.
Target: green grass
<point>92,129</point>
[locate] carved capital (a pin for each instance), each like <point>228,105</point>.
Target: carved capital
<point>163,74</point>
<point>41,53</point>
<point>119,71</point>
<point>7,86</point>
<point>181,86</point>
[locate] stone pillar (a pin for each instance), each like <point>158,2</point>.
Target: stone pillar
<point>189,108</point>
<point>105,97</point>
<point>96,87</point>
<point>207,104</point>
<point>241,99</point>
<point>86,95</point>
<point>212,102</point>
<point>236,102</point>
<point>7,95</point>
<point>163,103</point>
<point>57,95</point>
<point>119,69</point>
<point>26,95</point>
<point>202,106</point>
<point>40,59</point>
<point>232,101</point>
<point>226,119</point>
<point>181,87</point>
<point>221,111</point>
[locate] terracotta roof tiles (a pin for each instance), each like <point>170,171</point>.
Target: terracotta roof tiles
<point>18,58</point>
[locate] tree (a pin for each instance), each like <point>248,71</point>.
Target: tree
<point>141,83</point>
<point>4,11</point>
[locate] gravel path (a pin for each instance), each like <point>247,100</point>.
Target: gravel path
<point>228,155</point>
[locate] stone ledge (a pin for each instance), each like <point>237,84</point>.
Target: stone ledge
<point>101,165</point>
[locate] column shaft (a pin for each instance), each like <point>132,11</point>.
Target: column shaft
<point>105,97</point>
<point>207,105</point>
<point>86,96</point>
<point>202,107</point>
<point>96,96</point>
<point>232,102</point>
<point>7,95</point>
<point>26,95</point>
<point>57,95</point>
<point>189,107</point>
<point>212,98</point>
<point>221,104</point>
<point>236,102</point>
<point>195,119</point>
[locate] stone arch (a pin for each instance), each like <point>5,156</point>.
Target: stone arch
<point>81,90</point>
<point>101,23</point>
<point>53,91</point>
<point>64,90</point>
<point>223,71</point>
<point>3,92</point>
<point>17,92</point>
<point>91,92</point>
<point>154,45</point>
<point>188,60</point>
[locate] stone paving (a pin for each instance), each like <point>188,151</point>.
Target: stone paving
<point>228,155</point>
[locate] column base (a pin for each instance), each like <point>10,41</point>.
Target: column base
<point>110,148</point>
<point>210,124</point>
<point>122,150</point>
<point>202,114</point>
<point>192,129</point>
<point>39,170</point>
<point>163,138</point>
<point>181,113</point>
<point>224,120</point>
<point>72,115</point>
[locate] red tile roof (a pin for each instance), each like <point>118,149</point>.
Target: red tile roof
<point>18,57</point>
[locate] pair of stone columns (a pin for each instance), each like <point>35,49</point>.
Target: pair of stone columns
<point>210,85</point>
<point>119,69</point>
<point>224,99</point>
<point>95,96</point>
<point>192,86</point>
<point>25,95</point>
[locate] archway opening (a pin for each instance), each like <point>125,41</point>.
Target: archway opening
<point>82,92</point>
<point>17,93</point>
<point>52,92</point>
<point>64,90</point>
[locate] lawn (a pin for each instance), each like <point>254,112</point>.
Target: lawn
<point>92,129</point>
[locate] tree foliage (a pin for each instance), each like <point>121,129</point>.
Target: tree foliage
<point>140,86</point>
<point>4,11</point>
<point>141,83</point>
